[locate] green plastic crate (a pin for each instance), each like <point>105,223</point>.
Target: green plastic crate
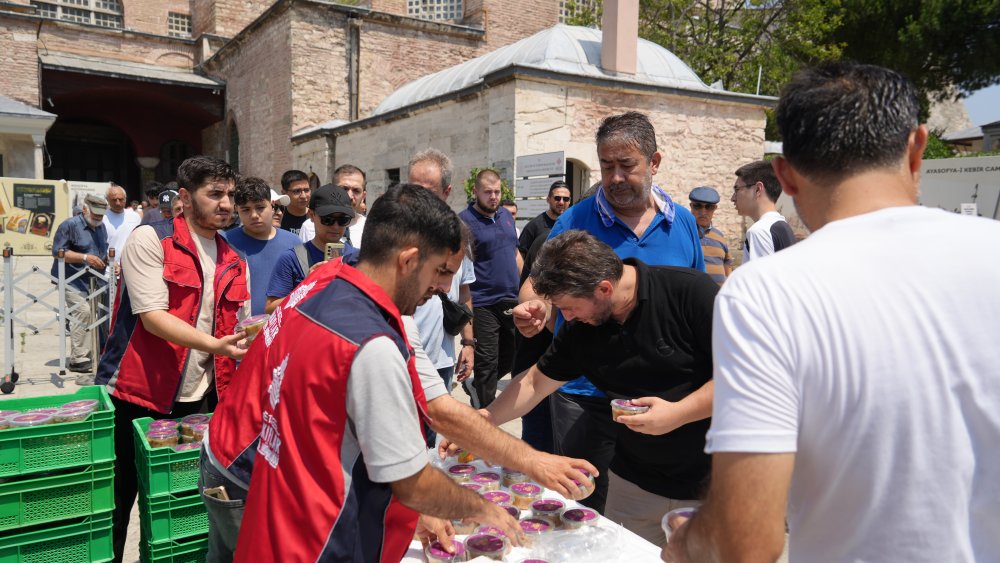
<point>163,471</point>
<point>188,551</point>
<point>65,445</point>
<point>27,502</point>
<point>88,539</point>
<point>171,518</point>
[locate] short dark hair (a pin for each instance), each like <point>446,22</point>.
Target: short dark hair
<point>409,215</point>
<point>558,184</point>
<point>153,189</point>
<point>761,171</point>
<point>197,171</point>
<point>838,119</point>
<point>487,173</point>
<point>292,176</point>
<point>509,202</point>
<point>350,169</point>
<point>573,263</point>
<point>631,127</point>
<point>250,189</point>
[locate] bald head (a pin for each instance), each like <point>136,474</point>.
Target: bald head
<point>116,198</point>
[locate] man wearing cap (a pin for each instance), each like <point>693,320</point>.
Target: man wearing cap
<point>257,238</point>
<point>718,262</point>
<point>353,181</point>
<point>167,200</point>
<point>331,211</point>
<point>85,240</point>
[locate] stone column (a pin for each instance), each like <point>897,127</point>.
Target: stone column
<point>39,143</point>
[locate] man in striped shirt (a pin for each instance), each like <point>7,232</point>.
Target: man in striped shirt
<point>718,262</point>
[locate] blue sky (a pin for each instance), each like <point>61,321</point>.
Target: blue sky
<point>984,105</point>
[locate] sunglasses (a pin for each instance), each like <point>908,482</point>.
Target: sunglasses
<point>278,208</point>
<point>561,198</point>
<point>330,220</point>
<point>708,206</point>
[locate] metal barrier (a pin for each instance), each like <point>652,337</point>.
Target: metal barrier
<point>100,301</point>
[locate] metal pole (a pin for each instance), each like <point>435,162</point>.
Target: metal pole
<point>63,317</point>
<point>95,334</point>
<point>112,287</point>
<point>8,309</point>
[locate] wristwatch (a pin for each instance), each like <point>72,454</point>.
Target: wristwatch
<point>468,342</point>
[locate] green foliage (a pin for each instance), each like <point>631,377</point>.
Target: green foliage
<point>470,184</point>
<point>936,148</point>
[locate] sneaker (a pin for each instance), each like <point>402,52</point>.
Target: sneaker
<point>85,379</point>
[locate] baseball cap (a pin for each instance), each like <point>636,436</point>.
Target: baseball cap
<point>704,194</point>
<point>282,199</point>
<point>96,203</point>
<point>331,199</point>
<point>166,196</point>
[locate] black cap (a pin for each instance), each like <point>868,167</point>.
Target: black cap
<point>331,199</point>
<point>166,196</point>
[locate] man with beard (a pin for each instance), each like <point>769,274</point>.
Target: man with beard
<point>172,339</point>
<point>341,470</point>
<point>85,240</point>
<point>637,219</point>
<point>558,199</point>
<point>498,266</point>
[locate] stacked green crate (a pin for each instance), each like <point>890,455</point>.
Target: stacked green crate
<point>173,522</point>
<point>57,483</point>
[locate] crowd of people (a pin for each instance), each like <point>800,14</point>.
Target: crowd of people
<point>836,396</point>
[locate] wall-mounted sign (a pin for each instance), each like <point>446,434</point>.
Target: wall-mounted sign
<point>534,187</point>
<point>545,164</point>
<point>30,212</point>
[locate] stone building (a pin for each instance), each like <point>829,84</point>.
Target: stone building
<point>136,86</point>
<point>547,93</point>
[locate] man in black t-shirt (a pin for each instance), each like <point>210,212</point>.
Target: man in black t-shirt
<point>558,199</point>
<point>295,184</point>
<point>638,332</point>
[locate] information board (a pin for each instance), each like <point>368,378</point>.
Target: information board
<point>30,212</point>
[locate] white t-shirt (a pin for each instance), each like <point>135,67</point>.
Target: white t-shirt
<point>870,350</point>
<point>440,346</point>
<point>760,240</point>
<point>119,227</point>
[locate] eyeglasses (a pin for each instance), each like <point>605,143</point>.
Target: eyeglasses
<point>738,188</point>
<point>278,208</point>
<point>330,220</point>
<point>299,191</point>
<point>561,198</point>
<point>698,206</point>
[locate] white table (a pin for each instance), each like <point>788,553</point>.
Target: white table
<point>631,548</point>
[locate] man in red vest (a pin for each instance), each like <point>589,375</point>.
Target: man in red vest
<point>172,336</point>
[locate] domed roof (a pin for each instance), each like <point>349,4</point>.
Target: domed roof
<point>564,49</point>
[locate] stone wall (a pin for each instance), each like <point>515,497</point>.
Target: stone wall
<point>19,60</point>
<point>318,66</point>
<point>507,21</point>
<point>259,99</point>
<point>151,17</point>
<point>702,142</point>
<point>482,136</point>
<point>18,156</point>
<point>112,44</point>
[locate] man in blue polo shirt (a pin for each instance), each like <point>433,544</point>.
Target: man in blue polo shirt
<point>637,219</point>
<point>494,293</point>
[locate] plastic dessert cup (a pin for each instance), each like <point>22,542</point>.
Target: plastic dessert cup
<point>188,446</point>
<point>587,487</point>
<point>485,545</point>
<point>549,510</point>
<point>494,531</point>
<point>189,422</point>
<point>511,509</point>
<point>165,424</point>
<point>511,477</point>
<point>436,553</point>
<point>72,415</point>
<point>90,404</point>
<point>534,528</point>
<point>198,432</point>
<point>49,411</point>
<point>620,407</point>
<point>462,472</point>
<point>4,421</point>
<point>524,494</point>
<point>576,518</point>
<point>497,497</point>
<point>162,438</point>
<point>30,419</point>
<point>9,413</point>
<point>252,325</point>
<point>476,488</point>
<point>488,480</point>
<point>687,512</point>
<point>463,528</point>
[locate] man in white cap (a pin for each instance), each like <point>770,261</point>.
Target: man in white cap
<point>85,240</point>
<point>260,242</point>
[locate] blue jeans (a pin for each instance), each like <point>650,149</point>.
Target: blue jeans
<point>446,375</point>
<point>224,516</point>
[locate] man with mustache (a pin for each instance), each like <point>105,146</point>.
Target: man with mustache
<point>637,219</point>
<point>172,338</point>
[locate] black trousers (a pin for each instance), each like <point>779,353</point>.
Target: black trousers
<point>494,350</point>
<point>536,425</point>
<point>126,475</point>
<point>582,428</point>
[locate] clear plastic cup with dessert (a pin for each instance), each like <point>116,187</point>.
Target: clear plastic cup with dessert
<point>523,494</point>
<point>436,553</point>
<point>548,509</point>
<point>486,545</point>
<point>668,530</point>
<point>624,407</point>
<point>576,518</point>
<point>488,480</point>
<point>252,326</point>
<point>461,472</point>
<point>534,528</point>
<point>498,497</point>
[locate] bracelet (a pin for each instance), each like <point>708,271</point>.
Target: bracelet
<point>468,342</point>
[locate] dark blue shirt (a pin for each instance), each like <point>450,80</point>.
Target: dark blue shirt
<point>262,257</point>
<point>77,235</point>
<point>288,273</point>
<point>494,252</point>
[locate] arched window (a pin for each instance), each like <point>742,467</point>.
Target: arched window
<point>105,13</point>
<point>234,147</point>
